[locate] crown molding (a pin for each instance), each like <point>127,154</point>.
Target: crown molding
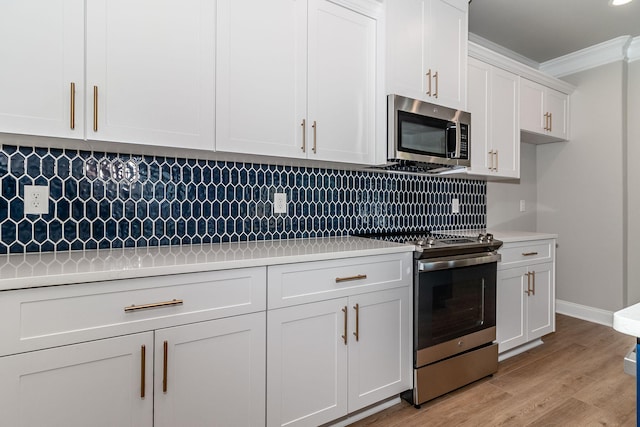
<point>502,50</point>
<point>499,60</point>
<point>590,57</point>
<point>633,52</point>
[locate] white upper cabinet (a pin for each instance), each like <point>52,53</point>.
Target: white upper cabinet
<point>297,79</point>
<point>543,113</point>
<point>495,132</point>
<point>42,51</point>
<point>427,50</point>
<point>150,72</point>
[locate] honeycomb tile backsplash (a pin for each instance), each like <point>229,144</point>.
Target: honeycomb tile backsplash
<point>104,200</point>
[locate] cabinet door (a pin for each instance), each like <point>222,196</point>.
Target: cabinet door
<point>541,303</point>
<point>557,106</point>
<point>42,51</point>
<point>215,373</point>
<point>307,363</point>
<point>511,330</point>
<point>380,363</point>
<point>97,383</point>
<point>342,84</point>
<point>505,127</point>
<point>479,106</point>
<point>406,48</point>
<point>447,51</point>
<point>532,106</point>
<point>261,76</point>
<point>152,83</point>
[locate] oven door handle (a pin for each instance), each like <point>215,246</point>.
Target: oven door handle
<point>457,261</point>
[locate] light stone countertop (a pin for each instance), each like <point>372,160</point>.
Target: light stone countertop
<point>521,236</point>
<point>18,271</point>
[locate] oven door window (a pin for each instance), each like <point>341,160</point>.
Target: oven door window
<point>455,302</point>
<point>425,135</point>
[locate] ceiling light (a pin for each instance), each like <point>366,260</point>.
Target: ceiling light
<point>618,2</point>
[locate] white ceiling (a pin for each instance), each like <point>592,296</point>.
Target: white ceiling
<point>546,29</point>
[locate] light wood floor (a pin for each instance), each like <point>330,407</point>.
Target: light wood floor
<point>575,378</point>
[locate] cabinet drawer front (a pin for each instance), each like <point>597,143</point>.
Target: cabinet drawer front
<point>314,281</point>
<point>47,317</point>
<point>520,253</point>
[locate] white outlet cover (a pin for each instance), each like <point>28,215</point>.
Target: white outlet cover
<point>455,206</point>
<point>36,199</point>
<point>280,203</point>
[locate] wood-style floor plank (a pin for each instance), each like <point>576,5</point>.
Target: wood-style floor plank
<point>575,378</point>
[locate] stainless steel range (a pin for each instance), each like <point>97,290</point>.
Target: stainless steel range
<point>454,311</point>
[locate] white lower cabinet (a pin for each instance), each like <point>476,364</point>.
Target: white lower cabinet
<point>525,295</point>
<point>334,356</point>
<point>97,384</point>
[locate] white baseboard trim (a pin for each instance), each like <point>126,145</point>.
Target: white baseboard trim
<point>521,349</point>
<point>352,418</point>
<point>591,314</point>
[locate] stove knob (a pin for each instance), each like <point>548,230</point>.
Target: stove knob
<point>482,238</point>
<point>430,240</point>
<point>420,242</point>
<point>489,237</point>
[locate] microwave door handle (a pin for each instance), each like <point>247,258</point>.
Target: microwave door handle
<point>458,140</point>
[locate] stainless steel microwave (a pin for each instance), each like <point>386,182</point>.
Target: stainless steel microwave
<point>427,133</point>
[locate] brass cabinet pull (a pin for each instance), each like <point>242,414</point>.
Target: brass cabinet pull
<point>550,122</point>
<point>171,303</point>
<point>435,76</point>
<point>344,337</point>
<point>304,136</point>
<point>429,82</point>
<point>357,332</point>
<point>529,253</point>
<point>72,103</point>
<point>490,160</point>
<point>143,358</point>
<point>496,154</point>
<point>315,129</point>
<point>350,278</point>
<point>95,108</point>
<point>547,121</point>
<point>164,366</point>
<point>533,288</point>
<point>528,291</point>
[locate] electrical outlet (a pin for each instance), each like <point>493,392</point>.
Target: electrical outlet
<point>522,206</point>
<point>455,206</point>
<point>36,199</point>
<point>280,203</point>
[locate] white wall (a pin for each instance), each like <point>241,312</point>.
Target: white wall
<point>581,191</point>
<point>633,184</point>
<point>503,197</point>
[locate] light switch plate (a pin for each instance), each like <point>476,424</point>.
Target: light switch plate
<point>280,203</point>
<point>522,206</point>
<point>36,199</point>
<point>455,206</point>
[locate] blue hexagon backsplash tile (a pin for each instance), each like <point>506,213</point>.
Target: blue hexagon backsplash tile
<point>104,200</point>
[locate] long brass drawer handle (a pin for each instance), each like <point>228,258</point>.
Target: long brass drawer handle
<point>435,76</point>
<point>72,102</point>
<point>529,253</point>
<point>350,278</point>
<point>164,366</point>
<point>344,337</point>
<point>171,303</point>
<point>143,360</point>
<point>528,291</point>
<point>304,135</point>
<point>95,108</point>
<point>357,332</point>
<point>533,288</point>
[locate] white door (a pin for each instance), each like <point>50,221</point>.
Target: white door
<point>557,108</point>
<point>42,51</point>
<point>541,303</point>
<point>261,77</point>
<point>406,46</point>
<point>150,72</point>
<point>511,309</point>
<point>447,52</point>
<point>479,106</point>
<point>98,384</point>
<point>215,373</point>
<point>342,84</point>
<point>532,111</point>
<point>505,127</point>
<point>307,363</point>
<point>380,361</point>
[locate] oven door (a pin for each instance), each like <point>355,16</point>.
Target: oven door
<point>455,297</point>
